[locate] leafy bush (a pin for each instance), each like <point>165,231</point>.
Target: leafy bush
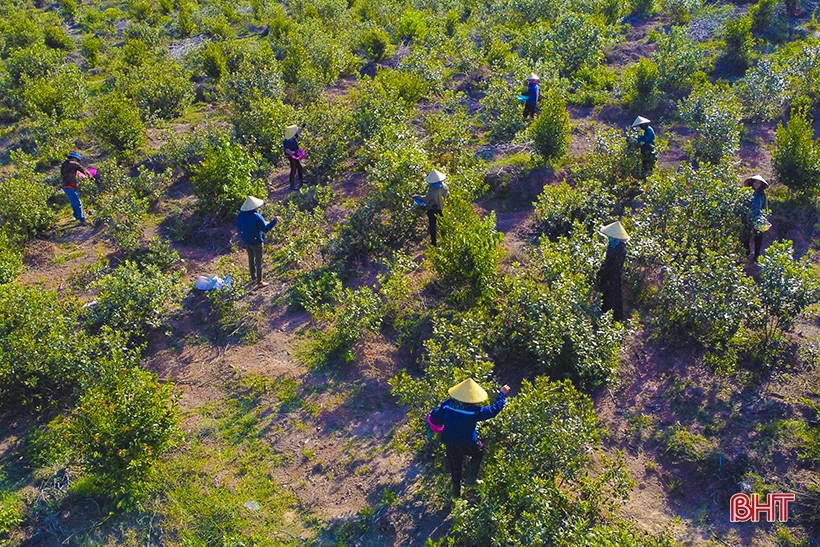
<point>550,131</point>
<point>213,61</point>
<point>716,113</point>
<point>59,95</point>
<point>58,38</point>
<point>124,214</point>
<point>611,161</point>
<point>764,90</point>
<point>11,259</point>
<point>260,123</point>
<point>32,62</point>
<point>376,44</point>
<point>326,141</point>
<point>124,422</point>
<point>680,11</point>
<point>578,40</point>
<point>160,89</point>
<point>223,180</point>
<point>413,25</point>
<point>559,207</point>
<point>680,61</point>
<point>91,47</point>
<point>500,110</point>
<point>796,155</point>
<point>763,14</point>
<point>118,125</point>
<point>132,299</point>
<point>24,209</point>
<point>466,260</point>
<point>738,43</point>
<point>639,86</point>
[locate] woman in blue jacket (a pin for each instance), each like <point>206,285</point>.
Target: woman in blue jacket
<point>252,227</point>
<point>459,416</point>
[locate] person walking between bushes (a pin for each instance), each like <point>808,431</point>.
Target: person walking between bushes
<point>252,228</point>
<point>757,223</point>
<point>434,200</point>
<point>294,154</point>
<point>647,143</point>
<point>68,170</point>
<point>533,95</point>
<point>459,416</point>
<point>610,277</point>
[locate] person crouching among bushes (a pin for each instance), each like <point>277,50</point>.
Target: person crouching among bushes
<point>459,416</point>
<point>252,228</point>
<point>68,170</point>
<point>294,154</point>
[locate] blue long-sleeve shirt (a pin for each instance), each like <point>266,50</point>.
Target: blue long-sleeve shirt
<point>460,419</point>
<point>648,136</point>
<point>252,227</point>
<point>533,93</point>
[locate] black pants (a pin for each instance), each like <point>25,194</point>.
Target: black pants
<point>758,237</point>
<point>295,166</point>
<point>648,159</point>
<point>255,261</point>
<point>456,453</point>
<point>529,110</point>
<point>431,216</point>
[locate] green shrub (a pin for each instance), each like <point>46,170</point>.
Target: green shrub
<point>132,299</point>
<point>680,11</point>
<point>738,44</point>
<point>644,8</point>
<point>161,89</point>
<point>11,259</point>
<point>213,61</point>
<point>91,47</point>
<point>32,62</point>
<point>118,125</point>
<point>327,139</point>
<point>122,425</point>
<point>716,114</point>
<point>413,25</point>
<point>24,209</point>
<point>612,162</point>
<point>12,507</point>
<point>185,21</point>
<point>686,446</point>
<point>68,9</point>
<point>500,111</point>
<point>466,260</point>
<point>21,31</point>
<point>376,44</point>
<point>559,207</point>
<point>796,155</point>
<point>578,41</point>
<point>680,61</point>
<point>639,86</point>
<point>59,95</point>
<point>550,132</point>
<point>136,53</point>
<point>123,213</point>
<point>260,124</point>
<point>58,38</point>
<point>763,14</point>
<point>223,180</point>
<point>764,90</point>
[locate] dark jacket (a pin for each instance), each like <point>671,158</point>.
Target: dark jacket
<point>291,145</point>
<point>252,227</point>
<point>648,136</point>
<point>69,170</point>
<point>459,419</point>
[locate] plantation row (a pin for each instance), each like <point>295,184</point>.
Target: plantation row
<point>437,82</point>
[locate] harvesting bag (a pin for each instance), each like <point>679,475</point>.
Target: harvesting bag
<point>91,171</point>
<point>433,429</point>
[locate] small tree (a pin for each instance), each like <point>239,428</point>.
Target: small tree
<point>716,113</point>
<point>24,209</point>
<point>738,43</point>
<point>550,130</point>
<point>223,180</point>
<point>118,125</point>
<point>796,156</point>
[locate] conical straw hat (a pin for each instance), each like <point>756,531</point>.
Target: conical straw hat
<point>749,181</point>
<point>533,76</point>
<point>435,176</point>
<point>615,231</point>
<point>468,392</point>
<point>291,130</point>
<point>252,204</point>
<point>640,120</point>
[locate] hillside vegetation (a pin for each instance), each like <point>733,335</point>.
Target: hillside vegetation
<point>137,410</point>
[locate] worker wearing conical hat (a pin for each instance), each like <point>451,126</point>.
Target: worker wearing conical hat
<point>434,200</point>
<point>459,416</point>
<point>757,223</point>
<point>252,228</point>
<point>533,95</point>
<point>647,143</point>
<point>294,154</point>
<point>610,277</point>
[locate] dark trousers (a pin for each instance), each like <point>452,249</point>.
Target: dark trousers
<point>648,159</point>
<point>529,110</point>
<point>431,216</point>
<point>295,166</point>
<point>456,453</point>
<point>255,261</point>
<point>758,237</point>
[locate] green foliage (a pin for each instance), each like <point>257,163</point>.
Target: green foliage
<point>118,125</point>
<point>550,132</point>
<point>326,142</point>
<point>612,161</point>
<point>124,422</point>
<point>124,213</point>
<point>639,86</point>
<point>260,124</point>
<point>680,11</point>
<point>764,90</point>
<point>24,210</point>
<point>685,446</point>
<point>466,260</point>
<point>132,299</point>
<point>680,61</point>
<point>222,181</point>
<point>738,43</point>
<point>559,207</point>
<point>716,113</point>
<point>59,95</point>
<point>12,507</point>
<point>160,89</point>
<point>21,31</point>
<point>578,41</point>
<point>32,62</point>
<point>11,259</point>
<point>185,20</point>
<point>91,47</point>
<point>644,8</point>
<point>376,45</point>
<point>213,61</point>
<point>413,25</point>
<point>500,110</point>
<point>763,14</point>
<point>796,155</point>
<point>58,38</point>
